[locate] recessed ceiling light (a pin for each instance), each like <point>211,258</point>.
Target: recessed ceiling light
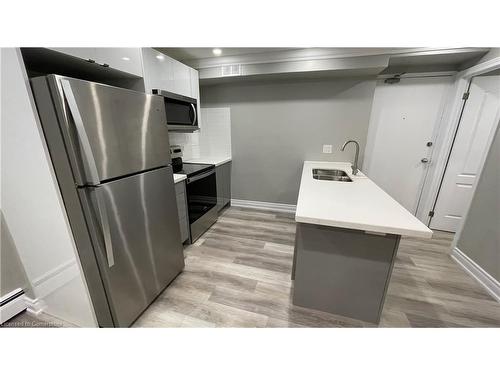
<point>217,51</point>
<point>160,57</point>
<point>126,58</point>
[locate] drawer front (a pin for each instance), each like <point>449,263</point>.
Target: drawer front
<point>181,204</point>
<point>180,194</point>
<point>180,188</point>
<point>184,224</point>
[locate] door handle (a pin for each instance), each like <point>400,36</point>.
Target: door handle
<point>424,160</point>
<point>194,113</point>
<point>82,134</point>
<point>103,213</point>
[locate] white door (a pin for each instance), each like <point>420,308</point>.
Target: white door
<point>182,79</point>
<point>125,59</point>
<point>405,117</point>
<point>479,121</point>
<point>158,70</point>
<point>81,52</point>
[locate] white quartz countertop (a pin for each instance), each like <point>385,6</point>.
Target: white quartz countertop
<point>359,204</point>
<point>210,160</point>
<point>179,177</point>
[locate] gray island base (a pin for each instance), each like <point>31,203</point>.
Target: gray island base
<point>343,271</point>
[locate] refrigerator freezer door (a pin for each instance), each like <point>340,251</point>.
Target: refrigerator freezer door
<point>143,232</point>
<point>112,131</point>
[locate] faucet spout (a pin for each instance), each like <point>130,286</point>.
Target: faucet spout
<point>354,166</point>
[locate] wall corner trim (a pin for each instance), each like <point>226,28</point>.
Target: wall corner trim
<point>491,285</point>
<point>280,207</point>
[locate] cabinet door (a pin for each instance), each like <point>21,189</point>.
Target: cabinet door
<point>125,59</point>
<point>182,79</point>
<point>195,83</point>
<point>227,184</point>
<point>195,91</point>
<point>219,176</point>
<point>158,70</point>
<point>83,53</point>
<point>180,192</point>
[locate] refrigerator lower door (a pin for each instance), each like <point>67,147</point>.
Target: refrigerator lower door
<point>137,238</point>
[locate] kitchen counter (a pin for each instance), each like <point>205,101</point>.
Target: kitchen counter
<point>346,242</point>
<point>179,177</point>
<point>210,160</point>
<point>359,204</point>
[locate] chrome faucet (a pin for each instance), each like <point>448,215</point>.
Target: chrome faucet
<point>355,164</point>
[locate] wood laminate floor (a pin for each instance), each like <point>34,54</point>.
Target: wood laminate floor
<point>238,275</point>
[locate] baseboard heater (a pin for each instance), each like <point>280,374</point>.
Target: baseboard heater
<point>12,304</point>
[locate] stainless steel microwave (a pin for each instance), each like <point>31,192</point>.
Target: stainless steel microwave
<point>182,111</point>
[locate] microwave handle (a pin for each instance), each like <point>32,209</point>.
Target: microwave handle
<point>194,112</point>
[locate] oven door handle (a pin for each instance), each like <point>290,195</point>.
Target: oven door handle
<point>200,176</point>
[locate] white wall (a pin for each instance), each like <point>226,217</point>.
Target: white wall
<point>32,204</point>
<point>212,141</point>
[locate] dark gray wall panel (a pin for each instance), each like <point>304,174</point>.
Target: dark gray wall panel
<point>275,126</point>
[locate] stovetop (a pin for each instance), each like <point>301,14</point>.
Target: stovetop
<point>191,169</point>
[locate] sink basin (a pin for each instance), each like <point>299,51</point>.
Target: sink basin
<point>330,175</point>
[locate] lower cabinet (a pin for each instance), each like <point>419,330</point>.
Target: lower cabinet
<point>180,192</point>
<point>223,175</point>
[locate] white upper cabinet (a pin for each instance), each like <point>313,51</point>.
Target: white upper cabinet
<point>158,71</point>
<point>83,53</point>
<point>195,84</point>
<point>163,72</point>
<point>127,60</point>
<point>182,79</point>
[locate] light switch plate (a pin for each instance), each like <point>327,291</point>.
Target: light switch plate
<point>327,149</point>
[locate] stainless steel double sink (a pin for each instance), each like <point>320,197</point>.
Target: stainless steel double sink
<point>330,175</point>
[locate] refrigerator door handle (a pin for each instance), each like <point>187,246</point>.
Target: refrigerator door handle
<point>82,133</point>
<point>103,213</point>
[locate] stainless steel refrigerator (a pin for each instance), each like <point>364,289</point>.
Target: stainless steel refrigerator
<point>110,151</point>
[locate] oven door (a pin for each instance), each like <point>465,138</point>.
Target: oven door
<point>201,195</point>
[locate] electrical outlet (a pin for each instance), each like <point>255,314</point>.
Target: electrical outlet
<point>327,149</point>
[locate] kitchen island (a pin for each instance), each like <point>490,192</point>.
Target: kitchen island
<point>346,241</point>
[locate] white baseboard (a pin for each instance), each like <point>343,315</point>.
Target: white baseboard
<point>35,306</point>
<point>491,285</point>
<point>16,303</point>
<point>49,283</point>
<point>281,207</point>
<point>55,278</point>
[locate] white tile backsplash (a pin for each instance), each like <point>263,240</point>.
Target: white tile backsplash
<point>213,139</point>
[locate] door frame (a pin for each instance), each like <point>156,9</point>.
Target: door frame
<point>451,123</point>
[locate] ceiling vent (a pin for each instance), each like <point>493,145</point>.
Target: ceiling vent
<point>231,70</point>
